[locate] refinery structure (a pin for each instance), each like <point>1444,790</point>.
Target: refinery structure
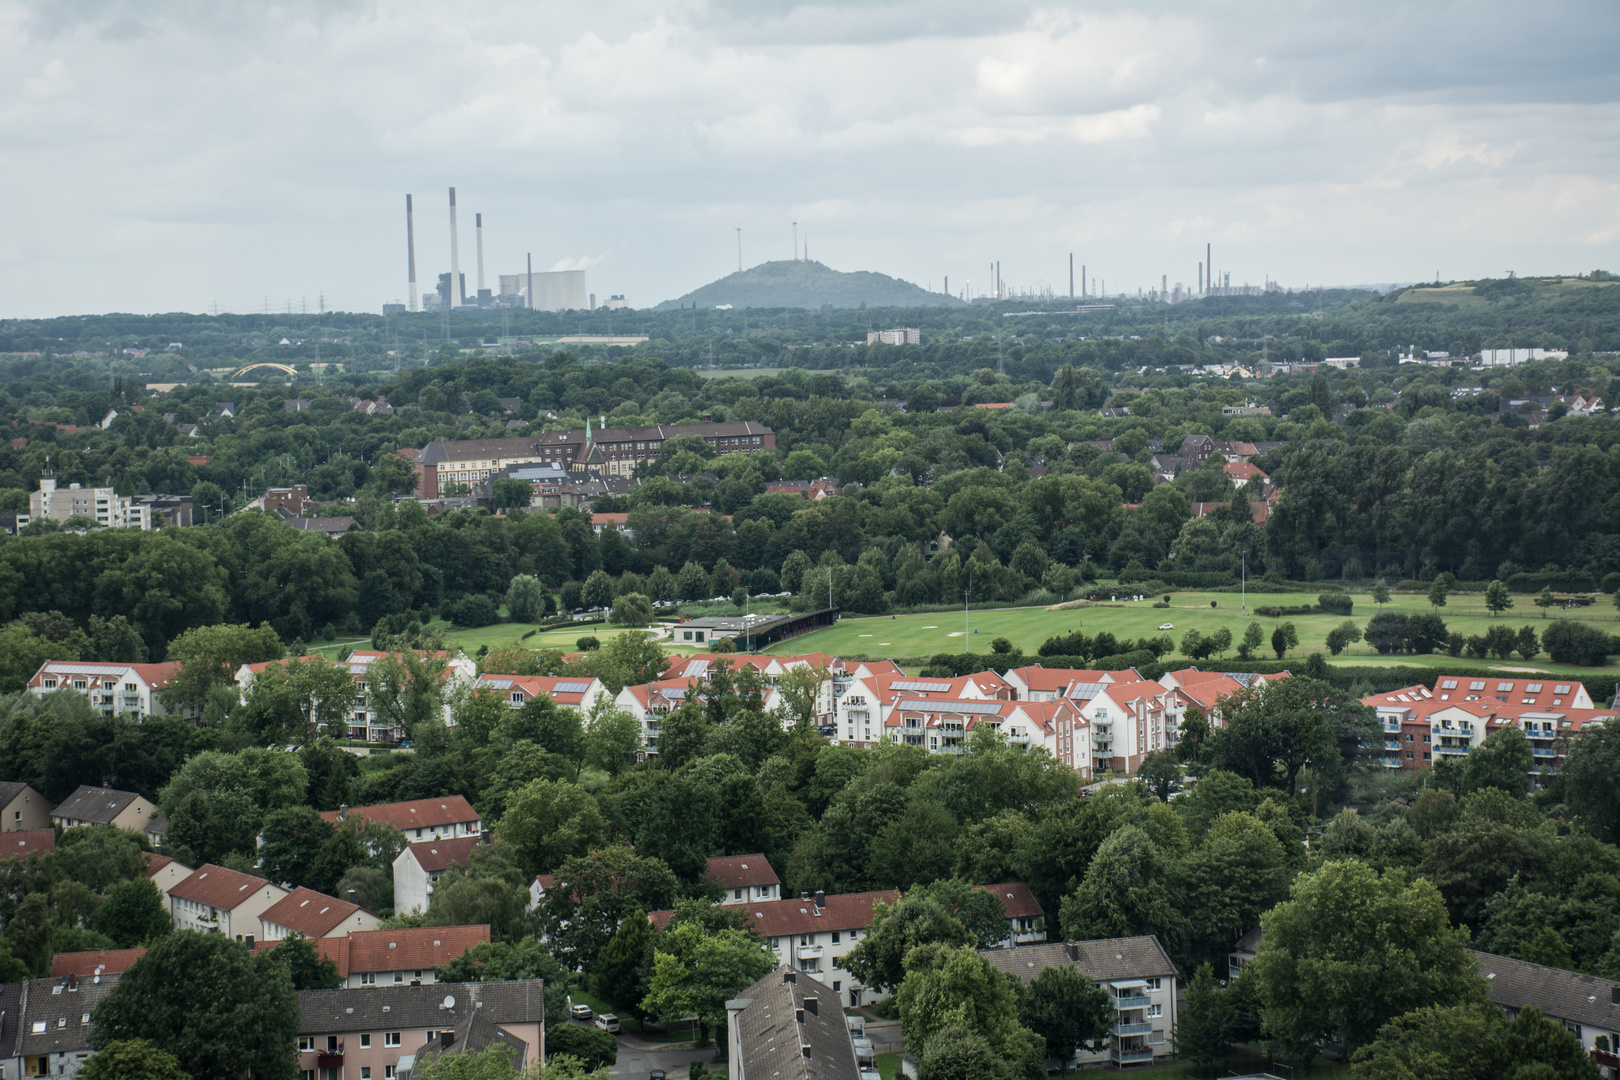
<point>548,290</point>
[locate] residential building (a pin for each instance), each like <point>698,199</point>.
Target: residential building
<point>1243,953</point>
<point>313,915</point>
<point>1137,974</point>
<point>47,1028</point>
<point>420,819</point>
<point>87,965</point>
<point>419,867</point>
<point>570,692</point>
<point>395,957</point>
<point>909,335</point>
<point>1512,357</point>
<point>1586,1005</point>
<point>221,901</point>
<point>615,451</point>
<point>22,843</point>
<point>813,934</point>
<point>1127,720</point>
<point>785,1027</point>
<point>366,722</point>
<point>102,505</point>
<point>113,689</point>
<point>1421,725</point>
<point>166,873</point>
<point>106,806</point>
<point>22,808</point>
<point>380,1032</point>
<point>744,879</point>
<point>329,527</point>
<point>1037,683</point>
<point>1026,919</point>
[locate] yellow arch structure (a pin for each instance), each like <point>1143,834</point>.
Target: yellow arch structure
<point>279,367</point>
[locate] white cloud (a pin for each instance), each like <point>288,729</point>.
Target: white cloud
<point>201,151</point>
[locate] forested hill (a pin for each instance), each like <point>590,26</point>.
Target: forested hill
<point>796,284</point>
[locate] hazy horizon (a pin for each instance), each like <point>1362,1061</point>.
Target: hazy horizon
<point>171,156</point>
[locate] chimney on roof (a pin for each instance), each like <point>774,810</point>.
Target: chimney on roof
<point>352,895</point>
<point>821,898</point>
<point>1072,950</point>
<point>343,812</point>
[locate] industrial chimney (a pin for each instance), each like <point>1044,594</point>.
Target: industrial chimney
<point>410,248</point>
<point>479,220</point>
<point>458,288</point>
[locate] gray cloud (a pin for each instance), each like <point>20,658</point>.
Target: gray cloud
<point>168,156</point>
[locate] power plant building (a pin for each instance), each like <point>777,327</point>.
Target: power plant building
<point>554,290</point>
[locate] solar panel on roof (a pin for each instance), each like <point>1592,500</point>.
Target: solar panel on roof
<point>498,684</point>
<point>935,705</point>
<point>923,687</point>
<point>572,687</point>
<point>1086,690</point>
<point>87,669</point>
<point>1504,686</point>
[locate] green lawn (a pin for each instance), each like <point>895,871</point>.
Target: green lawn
<point>1244,1060</point>
<point>1027,628</point>
<point>628,1022</point>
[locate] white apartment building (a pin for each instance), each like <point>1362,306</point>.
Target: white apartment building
<point>1137,974</point>
<point>419,867</point>
<point>215,900</point>
<point>365,721</point>
<point>578,694</point>
<point>113,689</point>
<point>1127,720</point>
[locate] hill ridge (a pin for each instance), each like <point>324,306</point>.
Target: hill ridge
<point>799,284</point>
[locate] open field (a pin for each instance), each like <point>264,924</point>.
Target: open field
<point>1027,628</point>
<point>737,373</point>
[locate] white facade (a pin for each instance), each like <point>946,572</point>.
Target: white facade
<point>554,290</point>
<point>103,505</point>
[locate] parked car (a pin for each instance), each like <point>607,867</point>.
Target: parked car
<point>581,1012</point>
<point>1167,626</point>
<point>657,1074</point>
<point>608,1022</point>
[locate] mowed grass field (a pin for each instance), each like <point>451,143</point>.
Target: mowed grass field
<point>1027,628</point>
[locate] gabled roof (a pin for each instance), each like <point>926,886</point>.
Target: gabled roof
<point>308,912</point>
<point>776,918</point>
<point>1103,960</point>
<point>1560,995</point>
<point>10,789</point>
<point>405,1007</point>
<point>98,805</point>
<point>436,855</point>
<point>416,947</point>
<point>1541,690</point>
<point>417,814</point>
<point>221,888</point>
<point>562,689</point>
<point>1057,680</point>
<point>62,1007</point>
<point>1017,900</point>
<point>741,871</point>
<point>24,842</point>
<point>90,964</point>
<point>791,1027</point>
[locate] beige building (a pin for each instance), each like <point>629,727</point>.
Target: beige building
<point>22,808</point>
<point>220,901</point>
<point>313,915</point>
<point>107,806</point>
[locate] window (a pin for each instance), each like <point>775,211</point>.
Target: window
<point>835,937</point>
<point>1152,984</point>
<point>306,1074</point>
<point>39,1027</point>
<point>389,1072</point>
<point>306,1042</point>
<point>399,976</point>
<point>837,986</point>
<point>331,1044</point>
<point>365,1041</point>
<point>736,894</point>
<point>368,978</point>
<point>365,1072</point>
<point>390,1038</point>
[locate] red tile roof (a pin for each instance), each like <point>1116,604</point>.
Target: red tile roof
<point>418,947</point>
<point>26,842</point>
<point>741,871</point>
<point>1017,900</point>
<point>434,855</point>
<point>420,814</point>
<point>220,888</point>
<point>777,918</point>
<point>88,964</point>
<point>308,912</point>
<point>335,949</point>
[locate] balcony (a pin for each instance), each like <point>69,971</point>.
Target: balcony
<point>1125,1057</point>
<point>1391,745</point>
<point>1135,1001</point>
<point>1536,751</point>
<point>1133,1029</point>
<point>809,952</point>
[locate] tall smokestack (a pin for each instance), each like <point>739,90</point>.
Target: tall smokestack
<point>458,291</point>
<point>1209,281</point>
<point>479,218</point>
<point>1082,281</point>
<point>410,247</point>
<point>1071,275</point>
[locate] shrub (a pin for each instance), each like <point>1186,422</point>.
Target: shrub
<point>594,1048</point>
<point>587,644</point>
<point>472,610</point>
<point>1576,643</point>
<point>1335,603</point>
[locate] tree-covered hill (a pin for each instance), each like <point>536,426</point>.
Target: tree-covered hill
<point>798,284</point>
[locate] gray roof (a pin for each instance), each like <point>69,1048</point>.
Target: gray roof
<point>1103,960</point>
<point>1250,942</point>
<point>791,1027</point>
<point>1559,994</point>
<point>64,1012</point>
<point>10,789</point>
<point>97,804</point>
<point>11,995</point>
<point>374,1008</point>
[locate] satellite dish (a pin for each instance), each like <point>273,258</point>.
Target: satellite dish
<point>449,1001</point>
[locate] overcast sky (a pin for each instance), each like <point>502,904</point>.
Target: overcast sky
<point>170,156</point>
